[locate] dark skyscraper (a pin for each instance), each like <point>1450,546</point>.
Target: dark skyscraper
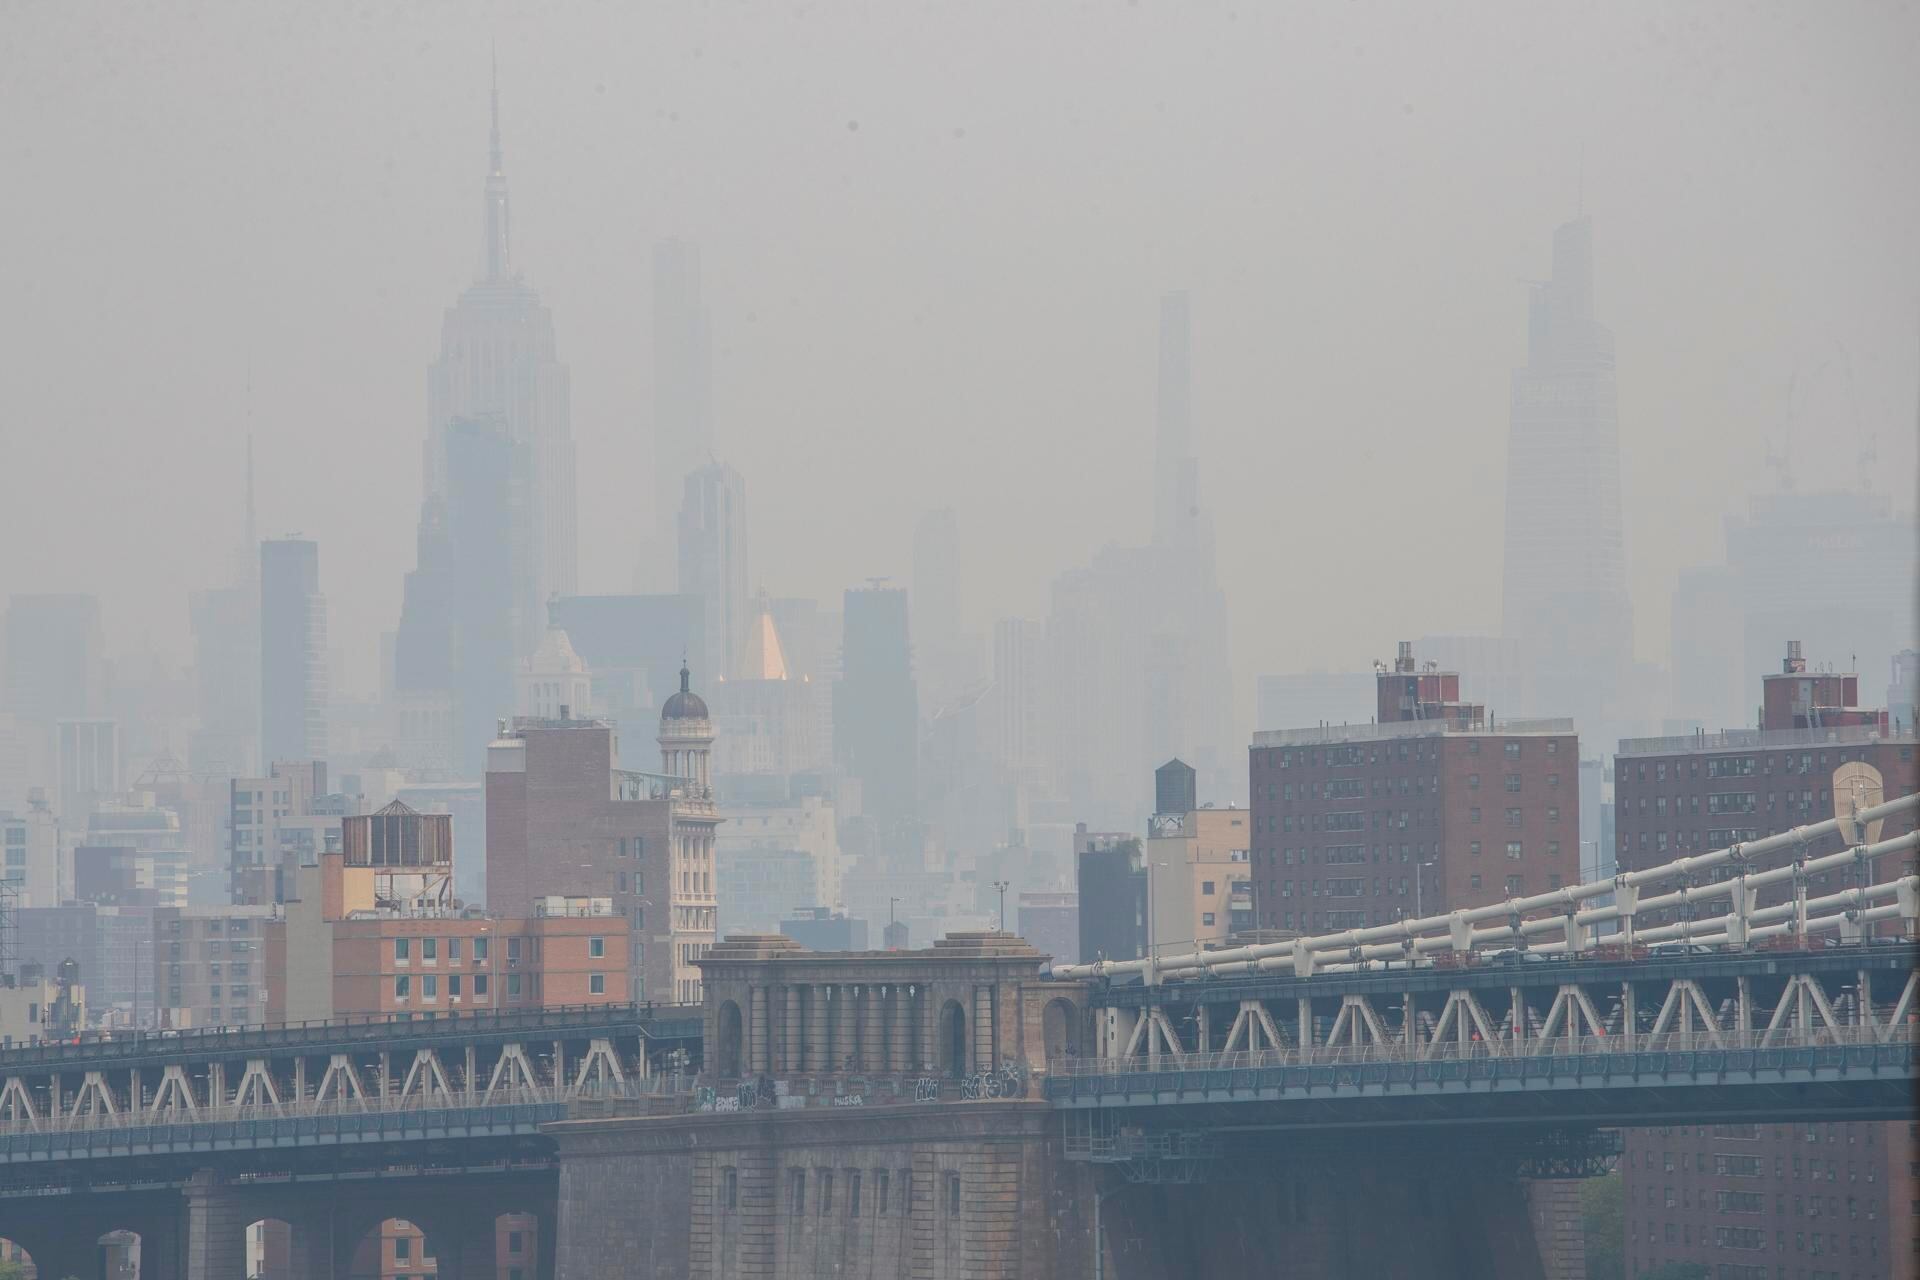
<point>55,668</point>
<point>293,652</point>
<point>498,362</point>
<point>713,560</point>
<point>1566,597</point>
<point>876,709</point>
<point>454,653</point>
<point>682,396</point>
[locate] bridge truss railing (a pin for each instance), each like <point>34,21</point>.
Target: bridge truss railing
<point>1565,919</point>
<point>185,1121</point>
<point>1477,1050</point>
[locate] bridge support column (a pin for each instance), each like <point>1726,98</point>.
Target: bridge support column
<point>983,1028</point>
<point>901,1057</point>
<point>815,1050</point>
<point>757,1050</point>
<point>216,1230</point>
<point>873,1028</point>
<point>790,1028</point>
<point>845,1050</point>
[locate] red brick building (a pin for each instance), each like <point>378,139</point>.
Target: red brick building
<point>1768,1202</point>
<point>1428,810</point>
<point>562,819</point>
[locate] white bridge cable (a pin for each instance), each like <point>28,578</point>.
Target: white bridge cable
<point>1456,931</point>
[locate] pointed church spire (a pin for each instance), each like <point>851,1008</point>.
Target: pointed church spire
<point>498,226</point>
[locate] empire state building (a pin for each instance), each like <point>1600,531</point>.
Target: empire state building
<point>498,371</point>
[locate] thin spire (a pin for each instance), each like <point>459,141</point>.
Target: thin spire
<point>494,164</point>
<point>498,224</point>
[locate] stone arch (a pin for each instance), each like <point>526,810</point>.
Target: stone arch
<point>270,1249</point>
<point>950,1040</point>
<point>1060,1029</point>
<point>729,1050</point>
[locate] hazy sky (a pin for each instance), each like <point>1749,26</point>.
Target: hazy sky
<point>934,238</point>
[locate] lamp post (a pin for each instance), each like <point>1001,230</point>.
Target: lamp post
<point>1000,886</point>
<point>1419,880</point>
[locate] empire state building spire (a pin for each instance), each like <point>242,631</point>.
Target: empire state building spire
<point>498,222</point>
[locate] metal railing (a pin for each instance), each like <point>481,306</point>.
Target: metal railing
<point>360,1028</point>
<point>435,1108</point>
<point>1499,1050</point>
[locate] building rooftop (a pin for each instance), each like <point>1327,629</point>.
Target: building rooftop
<point>1764,740</point>
<point>1318,735</point>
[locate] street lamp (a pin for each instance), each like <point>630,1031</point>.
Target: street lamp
<point>1419,879</point>
<point>1001,887</point>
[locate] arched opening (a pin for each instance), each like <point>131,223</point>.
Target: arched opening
<point>952,1045</point>
<point>395,1247</point>
<point>120,1256</point>
<point>270,1250</point>
<point>15,1260</point>
<point>727,1059</point>
<point>1060,1028</point>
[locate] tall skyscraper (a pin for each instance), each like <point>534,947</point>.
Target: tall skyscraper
<point>55,666</point>
<point>713,561</point>
<point>454,662</point>
<point>876,708</point>
<point>945,659</point>
<point>1565,597</point>
<point>682,394</point>
<point>1130,685</point>
<point>293,651</point>
<point>498,362</point>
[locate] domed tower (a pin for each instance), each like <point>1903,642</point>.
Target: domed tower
<point>686,738</point>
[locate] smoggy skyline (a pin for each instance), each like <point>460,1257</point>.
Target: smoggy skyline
<point>932,247</point>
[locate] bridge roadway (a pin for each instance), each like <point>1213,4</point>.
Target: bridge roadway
<point>353,1094</point>
<point>1535,1040</point>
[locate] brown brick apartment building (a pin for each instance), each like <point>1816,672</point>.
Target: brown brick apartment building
<point>561,819</point>
<point>1768,1202</point>
<point>1429,809</point>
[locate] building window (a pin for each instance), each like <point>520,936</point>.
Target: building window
<point>1513,782</point>
<point>1473,814</point>
<point>515,1244</point>
<point>1206,918</point>
<point>853,1193</point>
<point>596,948</point>
<point>880,1180</point>
<point>797,1191</point>
<point>596,984</point>
<point>402,987</point>
<point>1474,881</point>
<point>513,951</point>
<point>1473,782</point>
<point>825,1177</point>
<point>730,1183</point>
<point>1474,848</point>
<point>479,984</point>
<point>1513,817</point>
<point>402,950</point>
<point>402,1249</point>
<point>1206,888</point>
<point>453,949</point>
<point>453,985</point>
<point>1513,850</point>
<point>429,948</point>
<point>430,987</point>
<point>479,950</point>
<point>953,1193</point>
<point>513,986</point>
<point>1514,885</point>
<point>1513,750</point>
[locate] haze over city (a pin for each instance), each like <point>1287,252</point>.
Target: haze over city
<point>932,242</point>
<point>981,642</point>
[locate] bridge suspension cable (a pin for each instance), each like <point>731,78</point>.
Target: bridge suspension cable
<point>1567,910</point>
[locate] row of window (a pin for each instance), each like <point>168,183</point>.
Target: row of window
<point>1755,1239</point>
<point>1335,757</point>
<point>1742,766</point>
<point>1738,1166</point>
